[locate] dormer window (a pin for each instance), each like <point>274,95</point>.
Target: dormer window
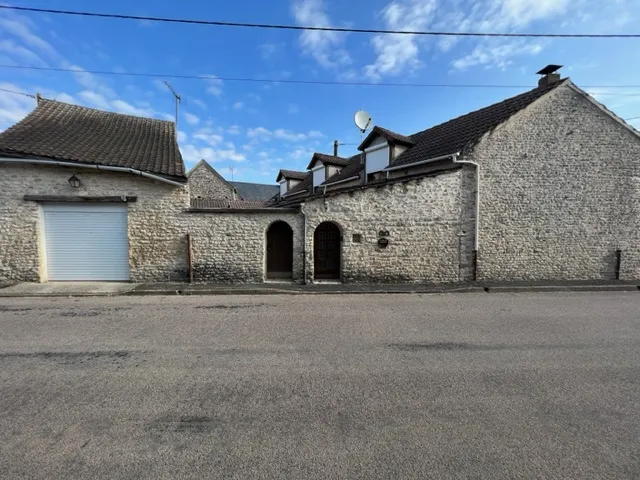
<point>377,158</point>
<point>381,147</point>
<point>319,175</point>
<point>289,179</point>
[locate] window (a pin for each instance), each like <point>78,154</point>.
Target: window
<point>357,238</point>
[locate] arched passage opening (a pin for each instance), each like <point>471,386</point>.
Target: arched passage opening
<point>326,252</point>
<point>279,250</point>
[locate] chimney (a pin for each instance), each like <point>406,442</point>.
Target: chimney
<point>549,75</point>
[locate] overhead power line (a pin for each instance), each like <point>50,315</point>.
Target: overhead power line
<point>17,93</point>
<point>317,28</point>
<point>294,81</point>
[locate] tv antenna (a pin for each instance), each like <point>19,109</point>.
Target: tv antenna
<point>362,120</point>
<point>178,99</point>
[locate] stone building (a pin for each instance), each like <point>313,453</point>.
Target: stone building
<point>541,186</point>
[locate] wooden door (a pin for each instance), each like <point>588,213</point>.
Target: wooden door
<point>280,251</point>
<point>326,251</point>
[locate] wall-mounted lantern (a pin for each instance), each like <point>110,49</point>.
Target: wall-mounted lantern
<point>74,181</point>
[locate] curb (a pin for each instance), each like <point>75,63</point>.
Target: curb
<point>426,291</point>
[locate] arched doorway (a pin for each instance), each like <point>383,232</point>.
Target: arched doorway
<point>326,252</point>
<point>279,250</point>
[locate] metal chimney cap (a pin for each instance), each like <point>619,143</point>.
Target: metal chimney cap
<point>549,69</point>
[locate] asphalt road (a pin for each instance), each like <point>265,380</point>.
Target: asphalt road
<point>483,386</point>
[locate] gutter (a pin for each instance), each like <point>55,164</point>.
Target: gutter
<point>93,167</point>
<point>344,180</point>
<point>294,194</point>
<point>429,160</point>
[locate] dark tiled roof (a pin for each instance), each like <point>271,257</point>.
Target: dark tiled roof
<point>291,174</point>
<point>303,185</point>
<point>353,167</point>
<point>388,134</point>
<point>205,203</point>
<point>255,191</point>
<point>330,159</point>
<point>453,136</point>
<point>71,133</point>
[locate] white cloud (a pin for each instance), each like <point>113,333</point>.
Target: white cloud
<point>90,81</point>
<point>191,153</point>
<point>229,154</point>
<point>197,102</point>
<point>214,85</point>
<point>325,47</point>
<point>13,108</point>
<point>238,106</point>
<point>21,53</point>
<point>21,27</point>
<point>182,136</point>
<point>263,155</point>
<point>281,134</point>
<point>212,139</point>
<point>121,106</point>
<point>300,153</point>
<point>500,16</point>
<point>191,118</point>
<point>397,54</point>
<point>496,54</point>
<point>95,99</point>
<point>233,130</point>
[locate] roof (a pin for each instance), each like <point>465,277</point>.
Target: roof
<point>453,136</point>
<point>330,159</point>
<point>353,167</point>
<point>306,182</point>
<point>61,131</point>
<point>445,139</point>
<point>205,203</point>
<point>255,191</point>
<point>388,134</point>
<point>291,174</point>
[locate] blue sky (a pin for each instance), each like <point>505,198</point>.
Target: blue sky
<point>258,128</point>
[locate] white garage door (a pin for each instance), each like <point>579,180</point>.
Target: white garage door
<point>86,241</point>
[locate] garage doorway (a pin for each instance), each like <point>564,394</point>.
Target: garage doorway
<point>86,242</point>
<point>326,251</point>
<point>279,251</point>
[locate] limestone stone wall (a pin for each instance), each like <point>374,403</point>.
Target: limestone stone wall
<point>231,247</point>
<point>560,193</point>
<point>205,183</point>
<point>423,218</point>
<point>157,245</point>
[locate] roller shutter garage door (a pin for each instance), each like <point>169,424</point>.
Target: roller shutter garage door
<point>86,241</point>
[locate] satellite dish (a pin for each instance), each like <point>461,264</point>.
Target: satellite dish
<point>363,120</point>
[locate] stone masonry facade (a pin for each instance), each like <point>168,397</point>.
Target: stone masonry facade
<point>559,196</point>
<point>560,193</point>
<point>231,247</point>
<point>157,245</point>
<point>203,182</point>
<point>422,216</point>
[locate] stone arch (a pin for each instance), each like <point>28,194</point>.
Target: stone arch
<point>327,252</point>
<point>279,250</point>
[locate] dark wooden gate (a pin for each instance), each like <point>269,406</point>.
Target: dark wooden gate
<point>326,251</point>
<point>279,250</point>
